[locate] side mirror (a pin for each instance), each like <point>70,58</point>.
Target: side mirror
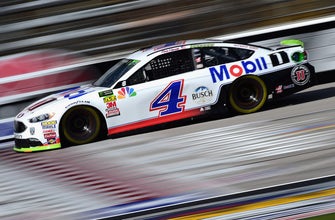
<point>120,84</point>
<point>124,83</point>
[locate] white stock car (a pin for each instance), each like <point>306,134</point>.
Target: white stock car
<point>164,83</point>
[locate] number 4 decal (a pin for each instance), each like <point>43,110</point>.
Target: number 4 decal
<point>170,100</point>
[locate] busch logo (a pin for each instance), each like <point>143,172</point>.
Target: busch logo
<point>236,70</point>
<point>202,95</point>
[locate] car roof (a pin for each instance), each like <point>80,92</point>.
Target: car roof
<point>147,51</point>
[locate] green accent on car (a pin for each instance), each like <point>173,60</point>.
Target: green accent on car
<point>38,148</point>
<point>292,42</point>
<point>135,61</point>
<point>298,56</point>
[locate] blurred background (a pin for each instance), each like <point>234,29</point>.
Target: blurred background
<point>42,41</point>
<point>105,27</point>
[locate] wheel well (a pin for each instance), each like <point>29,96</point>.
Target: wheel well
<point>223,95</point>
<point>241,78</point>
<point>225,89</point>
<point>101,117</point>
<point>103,123</point>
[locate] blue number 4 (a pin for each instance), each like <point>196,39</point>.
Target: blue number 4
<point>170,100</point>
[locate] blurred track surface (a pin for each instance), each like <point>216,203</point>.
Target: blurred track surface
<point>291,140</point>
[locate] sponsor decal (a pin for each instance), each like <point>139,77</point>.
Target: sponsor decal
<point>290,86</point>
<point>300,75</point>
<point>126,92</point>
<point>176,43</point>
<point>51,141</point>
<point>77,102</point>
<point>32,130</point>
<point>110,98</point>
<point>51,135</point>
<point>112,112</point>
<point>106,93</point>
<point>169,50</point>
<point>48,131</point>
<point>206,108</point>
<point>77,92</point>
<point>279,89</point>
<point>45,123</point>
<point>112,109</point>
<point>202,95</point>
<point>202,45</point>
<point>111,104</point>
<point>246,46</point>
<point>49,124</point>
<point>226,71</point>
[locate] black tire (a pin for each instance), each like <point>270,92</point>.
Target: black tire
<point>247,94</point>
<point>80,125</point>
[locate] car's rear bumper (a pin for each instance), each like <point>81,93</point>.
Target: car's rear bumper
<point>281,84</point>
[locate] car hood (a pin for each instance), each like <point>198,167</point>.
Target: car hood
<point>69,94</point>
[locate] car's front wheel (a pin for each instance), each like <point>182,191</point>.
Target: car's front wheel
<point>247,94</point>
<point>80,125</point>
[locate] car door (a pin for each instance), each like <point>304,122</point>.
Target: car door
<point>158,92</point>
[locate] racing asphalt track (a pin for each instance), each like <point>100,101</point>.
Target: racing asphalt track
<point>290,140</point>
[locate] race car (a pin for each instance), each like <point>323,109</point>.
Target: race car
<point>164,83</point>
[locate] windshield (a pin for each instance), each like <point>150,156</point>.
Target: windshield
<point>115,73</point>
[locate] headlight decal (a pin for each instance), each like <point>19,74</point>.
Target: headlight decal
<point>42,117</point>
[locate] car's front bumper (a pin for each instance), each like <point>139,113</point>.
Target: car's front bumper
<point>32,137</point>
<point>33,145</point>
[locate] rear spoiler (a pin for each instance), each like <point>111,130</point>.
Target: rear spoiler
<point>291,43</point>
<point>287,44</point>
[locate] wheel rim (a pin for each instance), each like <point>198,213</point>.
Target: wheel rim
<point>248,94</point>
<point>81,125</point>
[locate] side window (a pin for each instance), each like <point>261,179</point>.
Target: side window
<point>169,64</point>
<point>139,76</point>
<point>212,56</point>
<point>241,53</point>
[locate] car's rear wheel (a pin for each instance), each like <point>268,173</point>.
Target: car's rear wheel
<point>80,125</point>
<point>247,94</point>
